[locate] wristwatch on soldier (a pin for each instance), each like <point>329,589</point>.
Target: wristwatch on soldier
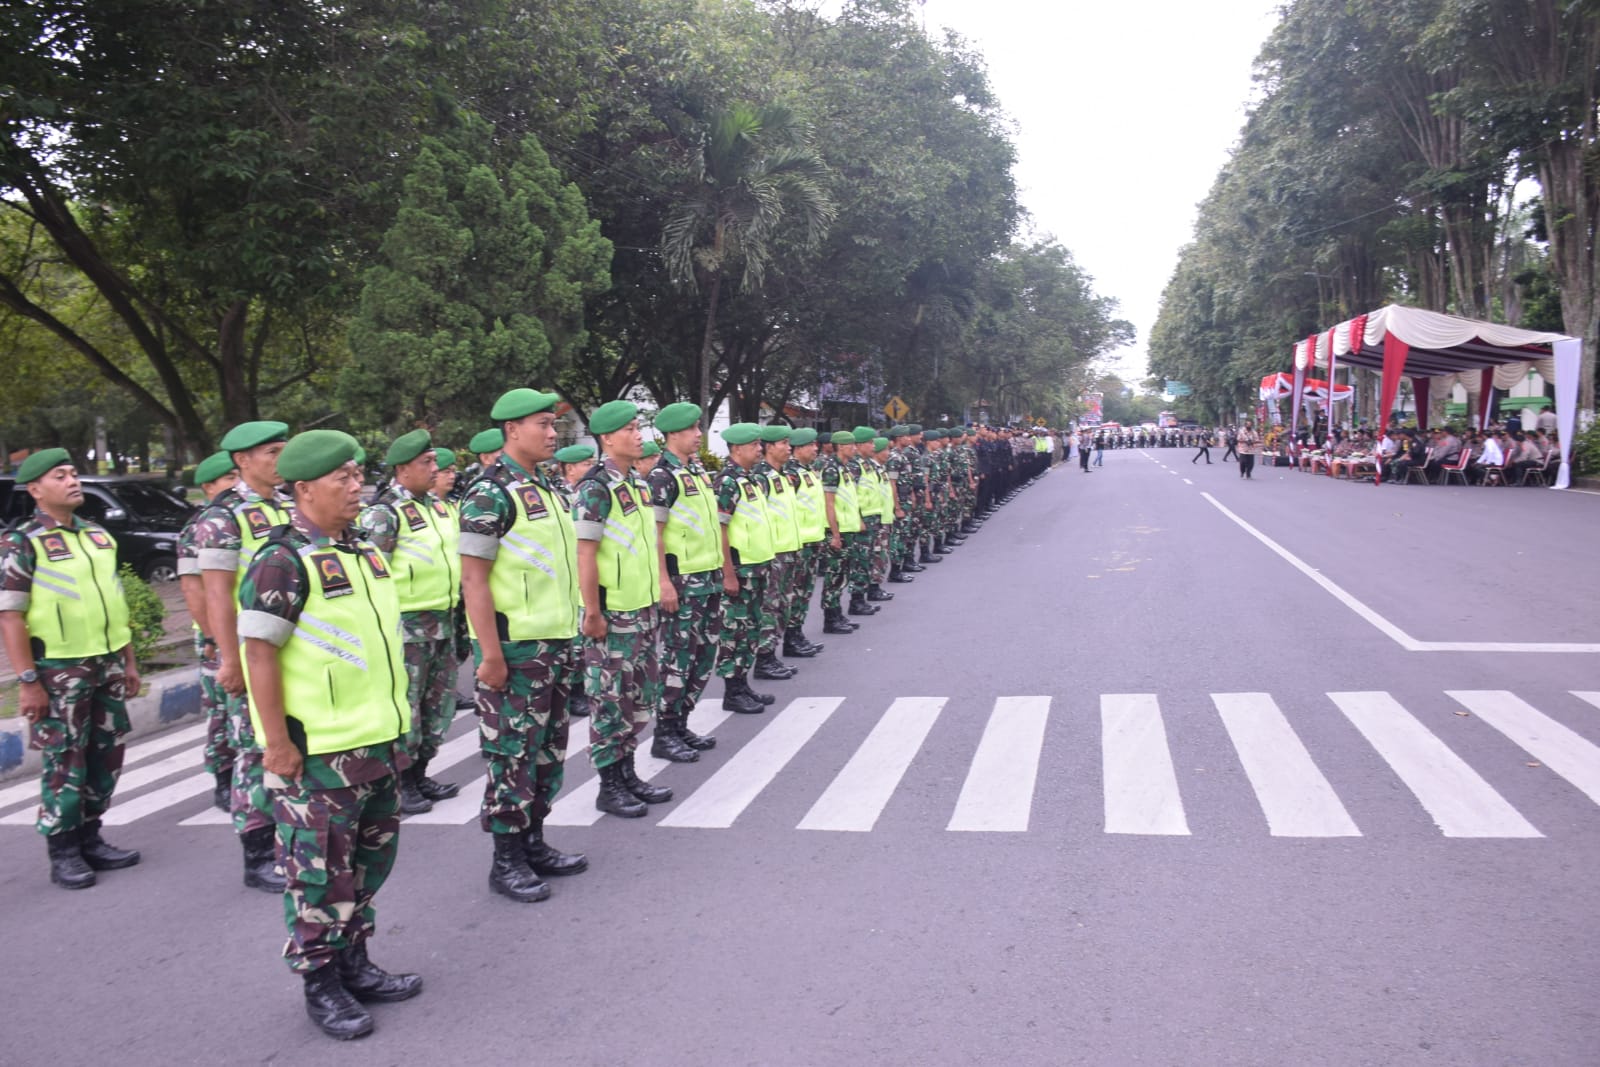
<point>28,677</point>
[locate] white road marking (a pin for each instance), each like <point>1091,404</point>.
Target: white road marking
<point>1461,802</point>
<point>1187,482</point>
<point>858,795</point>
<point>1294,796</point>
<point>124,812</point>
<point>1591,697</point>
<point>1552,744</point>
<point>1383,625</point>
<point>717,803</point>
<point>28,791</point>
<point>463,807</point>
<point>1141,788</point>
<point>998,793</point>
<point>576,807</point>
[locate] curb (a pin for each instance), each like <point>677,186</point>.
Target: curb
<point>169,699</point>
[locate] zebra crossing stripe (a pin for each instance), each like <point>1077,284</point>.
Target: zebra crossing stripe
<point>723,796</point>
<point>139,776</point>
<point>120,814</point>
<point>463,807</point>
<point>863,787</point>
<point>1591,697</point>
<point>1461,802</point>
<point>576,807</point>
<point>1557,747</point>
<point>28,791</point>
<point>1294,796</point>
<point>1141,788</point>
<point>998,793</point>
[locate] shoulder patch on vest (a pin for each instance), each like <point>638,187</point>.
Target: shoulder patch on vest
<point>55,547</point>
<point>413,515</point>
<point>331,573</point>
<point>257,519</point>
<point>625,497</point>
<point>532,501</point>
<point>374,560</point>
<point>691,483</point>
<point>101,539</point>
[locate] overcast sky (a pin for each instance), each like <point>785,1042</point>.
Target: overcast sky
<point>1125,112</point>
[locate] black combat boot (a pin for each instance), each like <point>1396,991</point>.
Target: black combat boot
<point>510,875</point>
<point>859,605</point>
<point>928,557</point>
<point>772,669</point>
<point>650,794</point>
<point>898,575</point>
<point>222,795</point>
<point>67,866</point>
<point>876,593</point>
<point>909,565</point>
<point>669,745</point>
<point>578,706</point>
<point>412,802</point>
<point>796,645</point>
<point>546,860</point>
<point>332,1007</point>
<point>369,983</point>
<point>98,854</point>
<point>971,525</point>
<point>261,859</point>
<point>615,798</point>
<point>429,788</point>
<point>737,697</point>
<point>834,622</point>
<point>698,742</point>
<point>952,539</point>
<point>940,548</point>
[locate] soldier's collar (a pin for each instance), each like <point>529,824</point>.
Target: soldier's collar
<point>45,520</point>
<point>315,533</point>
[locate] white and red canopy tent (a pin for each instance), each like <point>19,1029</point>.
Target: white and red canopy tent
<point>1438,350</point>
<point>1277,386</point>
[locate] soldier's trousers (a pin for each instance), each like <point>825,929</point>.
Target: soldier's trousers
<point>214,706</point>
<point>688,652</point>
<point>775,602</point>
<point>522,729</point>
<point>623,678</point>
<point>835,571</point>
<point>249,803</point>
<point>741,621</point>
<point>882,536</point>
<point>430,690</point>
<point>79,740</point>
<point>336,847</point>
<point>805,583</point>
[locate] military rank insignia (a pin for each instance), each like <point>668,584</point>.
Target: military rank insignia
<point>690,485</point>
<point>626,499</point>
<point>380,569</point>
<point>101,539</point>
<point>440,510</point>
<point>413,515</point>
<point>55,547</point>
<point>331,573</point>
<point>749,490</point>
<point>257,520</point>
<point>532,503</point>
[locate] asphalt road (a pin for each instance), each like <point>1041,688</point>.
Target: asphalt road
<point>1117,783</point>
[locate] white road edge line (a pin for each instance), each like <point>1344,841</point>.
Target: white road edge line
<point>1383,625</point>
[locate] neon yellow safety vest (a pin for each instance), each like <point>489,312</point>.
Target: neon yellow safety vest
<point>627,555</point>
<point>781,507</point>
<point>344,669</point>
<point>886,496</point>
<point>869,497</point>
<point>845,507</point>
<point>1040,444</point>
<point>76,607</point>
<point>693,537</point>
<point>256,520</point>
<point>810,517</point>
<point>427,556</point>
<point>534,580</point>
<point>749,533</point>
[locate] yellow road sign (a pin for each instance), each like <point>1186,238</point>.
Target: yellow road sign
<point>896,409</point>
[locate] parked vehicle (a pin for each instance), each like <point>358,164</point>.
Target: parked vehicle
<point>142,512</point>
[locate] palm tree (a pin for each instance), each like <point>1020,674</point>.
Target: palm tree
<point>755,170</point>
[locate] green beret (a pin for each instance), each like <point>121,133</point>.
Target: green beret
<point>802,437</point>
<point>612,416</point>
<point>520,403</point>
<point>773,433</point>
<point>314,453</point>
<point>742,433</point>
<point>574,453</point>
<point>932,435</point>
<point>899,430</point>
<point>248,435</point>
<point>843,437</point>
<point>651,448</point>
<point>913,428</point>
<point>37,465</point>
<point>487,441</point>
<point>679,416</point>
<point>407,447</point>
<point>864,434</point>
<point>444,458</point>
<point>213,467</point>
<point>880,444</point>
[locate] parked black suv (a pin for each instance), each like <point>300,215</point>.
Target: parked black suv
<point>142,512</point>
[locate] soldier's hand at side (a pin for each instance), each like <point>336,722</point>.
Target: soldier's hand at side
<point>594,623</point>
<point>836,541</point>
<point>231,677</point>
<point>33,701</point>
<point>131,682</point>
<point>669,597</point>
<point>492,673</point>
<point>730,584</point>
<point>282,759</point>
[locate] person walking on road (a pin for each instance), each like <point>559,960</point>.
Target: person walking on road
<point>1249,444</point>
<point>1204,447</point>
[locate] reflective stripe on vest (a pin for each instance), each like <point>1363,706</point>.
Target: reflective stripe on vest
<point>869,498</point>
<point>748,531</point>
<point>344,669</point>
<point>781,506</point>
<point>845,507</point>
<point>626,558</point>
<point>886,496</point>
<point>427,558</point>
<point>256,519</point>
<point>76,607</point>
<point>693,535</point>
<point>809,514</point>
<point>534,581</point>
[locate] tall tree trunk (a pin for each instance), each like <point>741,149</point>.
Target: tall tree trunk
<point>238,404</point>
<point>705,351</point>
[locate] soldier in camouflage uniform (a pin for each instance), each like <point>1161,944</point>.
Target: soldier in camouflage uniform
<point>73,655</point>
<point>621,577</point>
<point>858,549</point>
<point>741,509</point>
<point>571,464</point>
<point>320,621</point>
<point>226,536</point>
<point>883,534</point>
<point>811,518</point>
<point>214,474</point>
<point>779,501</point>
<point>695,556</point>
<point>895,467</point>
<point>520,583</point>
<point>486,446</point>
<point>921,498</point>
<point>417,532</point>
<point>844,520</point>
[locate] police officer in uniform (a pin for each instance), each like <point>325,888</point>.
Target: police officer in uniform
<point>320,621</point>
<point>214,474</point>
<point>741,507</point>
<point>520,582</point>
<point>64,622</point>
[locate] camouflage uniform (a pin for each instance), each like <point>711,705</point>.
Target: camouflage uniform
<point>913,483</point>
<point>741,611</point>
<point>338,824</point>
<point>522,728</point>
<point>80,738</point>
<point>858,546</point>
<point>808,562</point>
<point>218,546</point>
<point>621,671</point>
<point>689,635</point>
<point>429,636</point>
<point>894,470</point>
<point>220,756</point>
<point>881,531</point>
<point>780,576</point>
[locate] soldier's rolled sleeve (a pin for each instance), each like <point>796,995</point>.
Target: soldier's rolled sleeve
<point>16,573</point>
<point>591,509</point>
<point>480,546</point>
<point>188,565</point>
<point>218,559</point>
<point>272,595</point>
<point>14,600</point>
<point>265,627</point>
<point>485,518</point>
<point>662,514</point>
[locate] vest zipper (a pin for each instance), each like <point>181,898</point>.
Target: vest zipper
<point>388,657</point>
<point>105,609</point>
<point>572,555</point>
